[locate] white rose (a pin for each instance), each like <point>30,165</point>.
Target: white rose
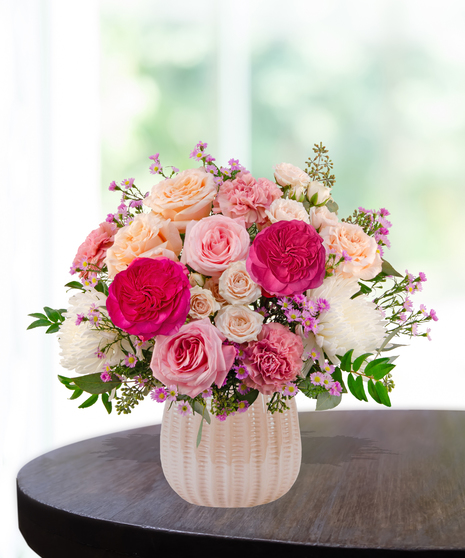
<point>321,217</point>
<point>289,175</point>
<point>203,304</point>
<point>212,285</point>
<point>239,323</point>
<point>322,191</point>
<point>287,210</point>
<point>236,285</point>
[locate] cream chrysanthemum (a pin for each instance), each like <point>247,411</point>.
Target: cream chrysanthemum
<point>349,323</point>
<point>80,344</point>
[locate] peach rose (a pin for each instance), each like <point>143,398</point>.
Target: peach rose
<point>236,285</point>
<point>287,210</point>
<point>365,260</point>
<point>212,284</point>
<point>290,175</point>
<point>148,236</point>
<point>203,303</point>
<point>321,217</point>
<point>186,197</point>
<point>239,323</point>
<point>213,243</point>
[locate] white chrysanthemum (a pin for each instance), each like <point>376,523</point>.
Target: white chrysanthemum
<point>349,323</point>
<point>80,343</point>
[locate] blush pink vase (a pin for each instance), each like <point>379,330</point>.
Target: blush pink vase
<point>249,459</point>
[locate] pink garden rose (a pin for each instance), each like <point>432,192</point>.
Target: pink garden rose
<point>287,258</point>
<point>213,243</point>
<point>192,359</point>
<point>247,198</point>
<point>95,246</point>
<point>151,297</point>
<point>274,359</point>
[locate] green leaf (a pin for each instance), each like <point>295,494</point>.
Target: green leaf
<point>249,397</point>
<point>91,383</point>
<point>327,401</point>
<point>52,314</point>
<point>337,375</point>
<point>107,404</point>
<point>356,387</point>
<point>346,361</point>
<point>332,206</point>
<point>77,393</point>
<point>101,287</point>
<point>202,411</point>
<point>75,285</point>
<point>359,361</point>
<point>387,269</point>
<point>376,362</point>
<point>380,371</point>
<point>67,382</point>
<point>314,199</point>
<point>39,323</point>
<point>372,391</point>
<point>199,433</point>
<point>40,316</point>
<point>383,394</point>
<point>89,402</point>
<point>53,328</point>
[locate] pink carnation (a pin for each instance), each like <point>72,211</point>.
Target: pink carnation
<point>95,246</point>
<point>192,359</point>
<point>151,297</point>
<point>287,258</point>
<point>274,359</point>
<point>246,197</point>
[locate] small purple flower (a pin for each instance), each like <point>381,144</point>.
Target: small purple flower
<point>159,395</point>
<point>323,305</point>
<point>130,360</point>
<point>408,305</point>
<point>135,203</point>
<point>99,353</point>
<point>422,277</point>
<point>155,168</point>
<point>402,317</point>
<point>105,376</point>
<point>335,389</point>
<point>242,406</point>
<point>127,183</point>
<point>211,169</point>
<point>414,329</point>
<point>423,309</point>
<point>317,378</point>
<point>225,171</point>
<point>427,334</point>
<point>172,393</point>
<point>155,157</point>
<point>110,218</point>
<point>243,388</point>
<point>79,319</point>
<point>290,389</point>
<point>113,186</point>
<point>433,315</point>
<point>384,212</point>
<point>222,417</point>
<point>346,256</point>
<point>263,311</point>
<point>207,393</point>
<point>175,169</point>
<point>241,372</point>
<point>328,368</point>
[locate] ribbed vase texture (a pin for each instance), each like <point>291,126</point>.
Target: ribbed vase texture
<point>249,459</point>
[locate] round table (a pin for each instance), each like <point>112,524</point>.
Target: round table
<point>372,483</point>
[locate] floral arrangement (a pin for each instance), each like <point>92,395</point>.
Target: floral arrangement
<point>219,286</point>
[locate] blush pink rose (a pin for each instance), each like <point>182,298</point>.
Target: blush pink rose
<point>95,246</point>
<point>192,359</point>
<point>246,197</point>
<point>151,297</point>
<point>287,257</point>
<point>274,359</point>
<point>213,243</point>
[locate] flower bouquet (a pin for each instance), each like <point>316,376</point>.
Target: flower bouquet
<point>218,292</point>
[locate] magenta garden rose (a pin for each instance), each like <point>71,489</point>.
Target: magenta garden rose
<point>192,359</point>
<point>274,359</point>
<point>151,297</point>
<point>287,258</point>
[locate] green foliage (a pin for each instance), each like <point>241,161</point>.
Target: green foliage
<point>52,319</point>
<point>356,387</point>
<point>326,401</point>
<point>346,361</point>
<point>387,269</point>
<point>67,382</point>
<point>249,397</point>
<point>319,167</point>
<point>332,206</point>
<point>359,361</point>
<point>89,402</point>
<point>106,403</point>
<point>102,287</point>
<point>75,285</point>
<point>91,383</point>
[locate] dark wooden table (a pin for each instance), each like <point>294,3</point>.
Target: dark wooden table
<point>372,483</point>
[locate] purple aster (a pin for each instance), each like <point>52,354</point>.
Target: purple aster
<point>155,157</point>
<point>210,168</point>
<point>335,389</point>
<point>427,334</point>
<point>317,378</point>
<point>328,368</point>
<point>110,218</point>
<point>408,305</point>
<point>207,393</point>
<point>263,311</point>
<point>130,360</point>
<point>155,168</point>
<point>422,276</point>
<point>127,183</point>
<point>105,377</point>
<point>414,329</point>
<point>72,269</point>
<point>323,305</point>
<point>113,186</point>
<point>222,417</point>
<point>241,372</point>
<point>158,394</point>
<point>384,212</point>
<point>172,393</point>
<point>79,319</point>
<point>135,203</point>
<point>243,388</point>
<point>290,389</point>
<point>175,169</point>
<point>99,353</point>
<point>346,256</point>
<point>402,317</point>
<point>423,309</point>
<point>433,315</point>
<point>242,406</point>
